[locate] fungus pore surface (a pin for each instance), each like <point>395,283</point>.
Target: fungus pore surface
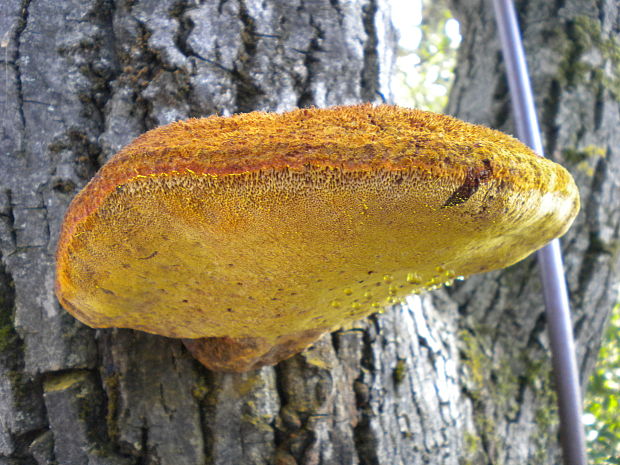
<point>263,231</point>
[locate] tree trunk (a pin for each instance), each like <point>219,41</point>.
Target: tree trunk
<point>453,377</point>
<point>573,53</point>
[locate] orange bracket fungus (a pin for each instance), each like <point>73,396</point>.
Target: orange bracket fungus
<point>250,236</point>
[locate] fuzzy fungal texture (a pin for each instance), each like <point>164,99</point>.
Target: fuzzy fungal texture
<point>256,233</point>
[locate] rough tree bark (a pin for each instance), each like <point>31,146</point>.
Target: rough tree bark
<point>573,50</point>
<point>453,378</point>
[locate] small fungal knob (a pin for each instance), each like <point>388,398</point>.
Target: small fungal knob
<point>250,236</point>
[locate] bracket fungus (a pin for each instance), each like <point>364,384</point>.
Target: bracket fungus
<point>250,236</point>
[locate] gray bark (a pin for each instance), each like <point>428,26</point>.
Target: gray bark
<point>454,377</point>
<point>573,53</point>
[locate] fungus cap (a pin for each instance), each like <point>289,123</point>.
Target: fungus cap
<point>254,234</point>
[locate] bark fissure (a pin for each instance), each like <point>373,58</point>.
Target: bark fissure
<point>145,74</point>
<point>311,63</point>
<point>15,59</point>
<point>143,458</point>
<point>366,444</point>
<point>247,89</point>
<point>596,245</point>
<point>8,217</point>
<point>369,75</point>
<point>550,109</point>
<point>599,108</point>
<point>186,26</point>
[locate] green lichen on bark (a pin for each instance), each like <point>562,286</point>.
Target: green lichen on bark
<point>400,371</point>
<point>591,56</point>
<point>491,378</point>
<point>585,158</point>
<point>495,386</point>
<point>8,335</point>
<point>539,378</point>
<point>575,155</point>
<point>111,384</point>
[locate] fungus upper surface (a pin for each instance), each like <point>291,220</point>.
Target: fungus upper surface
<point>266,224</point>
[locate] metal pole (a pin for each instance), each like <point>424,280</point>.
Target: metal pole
<point>550,258</point>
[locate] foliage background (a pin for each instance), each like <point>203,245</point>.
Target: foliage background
<point>602,416</point>
<point>428,45</point>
